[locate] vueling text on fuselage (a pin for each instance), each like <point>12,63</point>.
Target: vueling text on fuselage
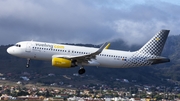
<point>49,45</point>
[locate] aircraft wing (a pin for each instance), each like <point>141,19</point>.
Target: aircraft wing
<point>84,58</point>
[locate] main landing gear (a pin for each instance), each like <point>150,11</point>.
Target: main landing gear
<point>81,70</point>
<point>28,62</point>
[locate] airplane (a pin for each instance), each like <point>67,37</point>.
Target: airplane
<point>69,56</point>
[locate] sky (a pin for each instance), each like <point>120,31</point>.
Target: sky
<point>87,21</point>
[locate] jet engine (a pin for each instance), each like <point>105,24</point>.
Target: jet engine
<point>63,63</point>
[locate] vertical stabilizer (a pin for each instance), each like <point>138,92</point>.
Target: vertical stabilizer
<point>156,44</point>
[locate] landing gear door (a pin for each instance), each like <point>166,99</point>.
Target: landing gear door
<point>28,47</point>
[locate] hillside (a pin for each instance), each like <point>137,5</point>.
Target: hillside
<point>14,67</point>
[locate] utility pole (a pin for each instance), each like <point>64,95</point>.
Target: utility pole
<point>130,92</point>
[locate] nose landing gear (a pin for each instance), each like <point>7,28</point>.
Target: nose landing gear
<point>28,62</point>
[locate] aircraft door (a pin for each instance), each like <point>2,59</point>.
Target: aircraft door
<point>28,47</point>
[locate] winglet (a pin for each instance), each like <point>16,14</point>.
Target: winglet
<point>107,46</point>
<point>100,49</point>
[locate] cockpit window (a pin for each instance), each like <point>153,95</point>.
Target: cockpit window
<point>17,45</point>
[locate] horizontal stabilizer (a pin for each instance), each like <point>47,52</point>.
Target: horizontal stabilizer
<point>159,60</point>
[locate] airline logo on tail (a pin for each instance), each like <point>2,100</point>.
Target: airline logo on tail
<point>156,44</point>
<point>150,53</point>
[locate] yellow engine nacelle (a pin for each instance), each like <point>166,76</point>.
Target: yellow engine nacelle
<point>62,63</point>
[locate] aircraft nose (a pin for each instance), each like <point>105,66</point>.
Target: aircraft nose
<point>10,50</point>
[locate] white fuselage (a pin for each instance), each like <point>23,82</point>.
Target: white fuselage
<point>67,56</point>
<point>107,58</point>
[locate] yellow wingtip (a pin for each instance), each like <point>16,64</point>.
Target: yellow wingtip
<point>107,46</point>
